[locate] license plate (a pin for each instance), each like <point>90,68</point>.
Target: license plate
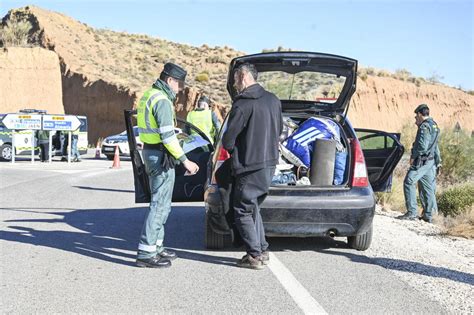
<point>109,149</point>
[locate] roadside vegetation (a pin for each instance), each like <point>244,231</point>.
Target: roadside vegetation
<point>455,183</point>
<point>400,74</point>
<point>15,33</point>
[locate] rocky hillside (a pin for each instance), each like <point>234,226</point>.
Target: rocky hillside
<point>388,104</point>
<point>104,72</point>
<point>30,78</point>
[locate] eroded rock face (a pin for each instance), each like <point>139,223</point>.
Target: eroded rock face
<point>187,101</point>
<point>30,78</point>
<point>102,102</point>
<point>388,104</point>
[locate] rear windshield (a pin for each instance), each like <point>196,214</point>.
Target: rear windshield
<point>303,86</point>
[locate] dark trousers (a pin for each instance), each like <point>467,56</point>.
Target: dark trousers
<point>44,151</point>
<point>249,191</point>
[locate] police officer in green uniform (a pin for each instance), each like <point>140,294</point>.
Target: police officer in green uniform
<point>204,118</point>
<point>43,143</point>
<point>424,162</point>
<point>161,150</point>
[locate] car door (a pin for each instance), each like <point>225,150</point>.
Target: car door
<point>197,147</point>
<point>382,152</point>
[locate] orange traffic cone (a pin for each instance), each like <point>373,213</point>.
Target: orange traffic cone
<point>97,150</point>
<point>116,158</point>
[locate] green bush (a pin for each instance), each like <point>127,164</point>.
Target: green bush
<point>457,155</point>
<point>202,77</point>
<point>456,200</point>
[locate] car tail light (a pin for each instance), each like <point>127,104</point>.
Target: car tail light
<point>359,178</point>
<point>221,157</point>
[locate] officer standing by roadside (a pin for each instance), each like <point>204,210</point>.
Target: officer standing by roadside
<point>252,136</point>
<point>424,162</point>
<point>43,143</point>
<point>204,118</point>
<point>75,155</point>
<point>161,150</point>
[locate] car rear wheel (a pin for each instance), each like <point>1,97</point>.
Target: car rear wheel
<point>6,152</point>
<point>215,240</point>
<point>110,157</point>
<point>362,241</point>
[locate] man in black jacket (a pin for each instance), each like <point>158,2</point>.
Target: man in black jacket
<point>252,137</point>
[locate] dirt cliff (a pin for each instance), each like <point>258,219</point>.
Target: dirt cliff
<point>388,104</point>
<point>30,78</point>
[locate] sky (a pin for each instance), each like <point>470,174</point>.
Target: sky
<point>426,37</point>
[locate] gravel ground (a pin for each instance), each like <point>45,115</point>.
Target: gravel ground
<point>441,267</point>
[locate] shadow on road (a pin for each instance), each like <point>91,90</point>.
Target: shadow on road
<point>112,235</point>
<point>410,266</point>
<point>104,189</point>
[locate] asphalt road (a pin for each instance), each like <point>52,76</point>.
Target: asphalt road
<point>68,239</point>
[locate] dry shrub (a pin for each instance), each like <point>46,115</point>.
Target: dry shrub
<point>383,73</point>
<point>461,225</point>
<point>393,200</point>
<point>362,76</point>
<point>408,135</point>
<point>202,77</point>
<point>15,32</point>
<point>402,74</point>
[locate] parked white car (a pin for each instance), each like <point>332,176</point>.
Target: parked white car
<point>120,140</point>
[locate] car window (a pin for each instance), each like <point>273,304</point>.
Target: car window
<point>371,141</point>
<point>189,140</point>
<point>303,86</point>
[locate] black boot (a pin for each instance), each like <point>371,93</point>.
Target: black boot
<point>167,254</point>
<point>407,216</point>
<point>154,262</point>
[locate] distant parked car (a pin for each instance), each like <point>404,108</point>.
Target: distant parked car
<point>120,140</point>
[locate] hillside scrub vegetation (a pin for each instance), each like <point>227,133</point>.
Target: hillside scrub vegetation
<point>15,33</point>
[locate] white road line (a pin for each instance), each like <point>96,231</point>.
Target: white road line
<point>299,294</point>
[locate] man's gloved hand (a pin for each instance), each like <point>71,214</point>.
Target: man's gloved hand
<point>438,169</point>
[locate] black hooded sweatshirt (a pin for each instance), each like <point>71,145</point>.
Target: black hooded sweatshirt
<point>253,130</point>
